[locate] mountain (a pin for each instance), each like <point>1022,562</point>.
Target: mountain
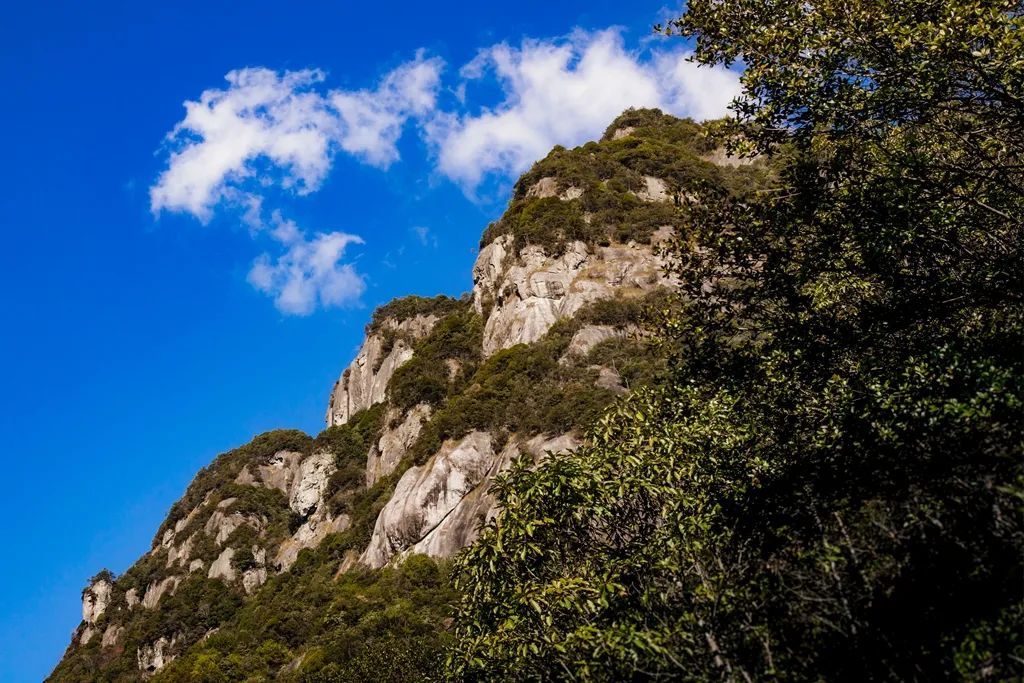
<point>323,558</point>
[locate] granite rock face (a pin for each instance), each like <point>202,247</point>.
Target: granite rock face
<point>437,508</point>
<point>155,591</point>
<point>394,442</point>
<point>95,600</point>
<point>425,496</point>
<point>156,655</point>
<point>548,187</point>
<point>587,337</point>
<point>364,383</point>
<point>111,635</point>
<point>221,568</point>
<point>311,482</point>
<point>525,294</point>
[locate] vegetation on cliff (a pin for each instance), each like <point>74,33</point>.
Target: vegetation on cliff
<point>599,187</point>
<point>313,623</point>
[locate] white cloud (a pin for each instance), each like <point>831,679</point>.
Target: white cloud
<point>424,235</point>
<point>278,129</point>
<point>261,115</point>
<point>372,120</point>
<point>270,128</point>
<point>566,92</point>
<point>310,271</point>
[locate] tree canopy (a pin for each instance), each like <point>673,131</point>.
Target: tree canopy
<point>828,482</point>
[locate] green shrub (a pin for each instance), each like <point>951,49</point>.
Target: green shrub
<point>409,307</point>
<point>611,172</point>
<point>426,377</point>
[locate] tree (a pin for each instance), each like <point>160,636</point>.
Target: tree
<point>829,482</point>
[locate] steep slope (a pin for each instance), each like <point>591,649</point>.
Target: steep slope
<point>284,556</point>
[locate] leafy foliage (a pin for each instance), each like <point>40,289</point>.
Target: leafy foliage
<point>829,487</point>
<point>608,176</point>
<point>454,342</point>
<point>409,307</point>
<point>313,627</point>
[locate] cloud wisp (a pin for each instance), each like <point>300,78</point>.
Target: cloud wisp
<point>268,133</point>
<point>281,129</point>
<point>310,272</point>
<point>564,92</point>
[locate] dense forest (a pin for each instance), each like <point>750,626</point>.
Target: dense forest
<point>829,484</point>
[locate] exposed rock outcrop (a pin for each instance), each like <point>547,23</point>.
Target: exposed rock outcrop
<point>95,600</point>
<point>155,591</point>
<point>425,495</point>
<point>394,442</point>
<point>587,337</point>
<point>221,568</point>
<point>655,190</point>
<point>277,473</point>
<point>311,483</point>
<point>221,525</point>
<point>527,293</point>
<point>111,635</point>
<point>623,132</point>
<point>256,576</point>
<point>437,508</point>
<point>548,187</point>
<point>306,498</point>
<point>155,656</point>
<point>170,535</point>
<point>309,535</point>
<point>179,554</point>
<point>365,381</point>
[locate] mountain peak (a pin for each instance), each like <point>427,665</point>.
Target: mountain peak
<point>443,395</point>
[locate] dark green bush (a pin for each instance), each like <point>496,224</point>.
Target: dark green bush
<point>426,378</point>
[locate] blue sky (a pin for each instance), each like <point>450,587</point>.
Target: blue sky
<point>175,280</point>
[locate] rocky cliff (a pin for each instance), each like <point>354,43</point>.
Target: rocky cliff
<point>443,395</point>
